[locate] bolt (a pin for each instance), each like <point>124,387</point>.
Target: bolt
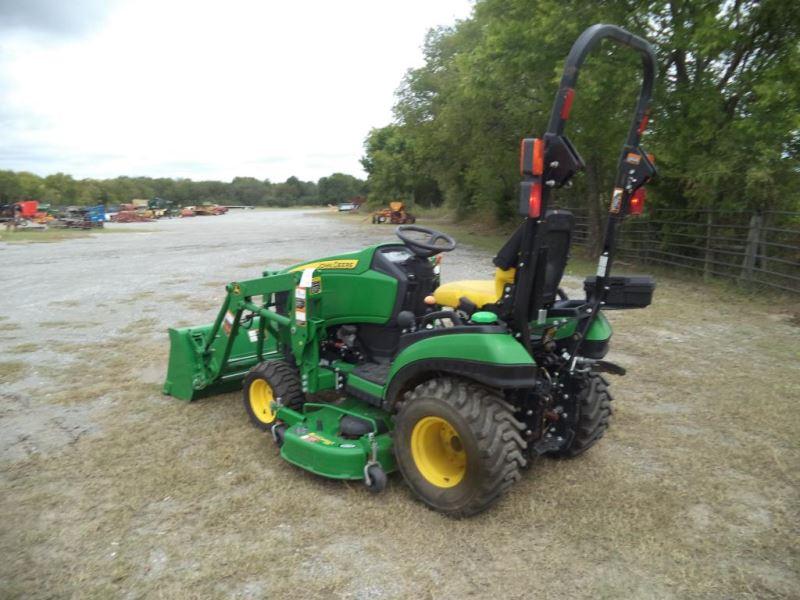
<point>529,412</point>
<point>550,183</point>
<point>554,164</point>
<point>566,396</point>
<point>565,415</point>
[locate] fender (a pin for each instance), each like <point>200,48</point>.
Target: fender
<point>492,357</point>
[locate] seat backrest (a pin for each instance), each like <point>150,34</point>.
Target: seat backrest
<point>560,224</point>
<point>558,239</point>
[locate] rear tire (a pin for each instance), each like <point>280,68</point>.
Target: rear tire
<point>458,445</point>
<point>268,385</point>
<point>593,404</point>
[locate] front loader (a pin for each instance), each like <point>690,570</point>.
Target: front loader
<point>458,385</point>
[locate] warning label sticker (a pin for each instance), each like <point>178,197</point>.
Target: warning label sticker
<point>616,200</point>
<point>316,285</point>
<point>315,438</point>
<point>633,158</point>
<point>227,323</point>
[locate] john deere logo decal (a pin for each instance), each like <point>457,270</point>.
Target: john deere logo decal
<point>330,265</point>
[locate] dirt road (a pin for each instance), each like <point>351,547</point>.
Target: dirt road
<point>109,489</point>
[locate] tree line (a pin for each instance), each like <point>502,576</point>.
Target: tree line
<point>63,190</point>
<point>725,124</point>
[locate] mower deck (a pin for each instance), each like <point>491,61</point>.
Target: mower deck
<point>318,441</point>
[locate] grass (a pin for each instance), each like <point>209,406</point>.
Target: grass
<point>692,493</point>
<point>11,370</point>
<point>63,325</point>
<point>25,348</point>
<point>25,236</point>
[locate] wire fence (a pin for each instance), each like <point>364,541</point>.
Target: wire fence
<point>760,248</point>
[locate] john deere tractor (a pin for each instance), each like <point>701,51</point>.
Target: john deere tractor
<point>457,385</point>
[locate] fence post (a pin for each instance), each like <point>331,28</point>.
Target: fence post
<point>708,257</point>
<point>751,249</point>
<point>761,259</point>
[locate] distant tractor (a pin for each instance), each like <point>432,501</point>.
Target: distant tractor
<point>396,214</point>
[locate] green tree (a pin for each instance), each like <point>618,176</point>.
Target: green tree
<point>725,115</point>
<point>339,187</point>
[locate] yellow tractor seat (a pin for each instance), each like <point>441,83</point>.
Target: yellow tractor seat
<point>479,291</point>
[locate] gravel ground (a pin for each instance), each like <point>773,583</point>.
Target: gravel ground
<point>109,489</point>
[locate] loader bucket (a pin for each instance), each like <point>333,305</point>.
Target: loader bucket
<point>189,371</point>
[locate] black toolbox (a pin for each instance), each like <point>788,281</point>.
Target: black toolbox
<point>635,291</point>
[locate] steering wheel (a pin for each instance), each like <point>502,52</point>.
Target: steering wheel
<point>427,248</point>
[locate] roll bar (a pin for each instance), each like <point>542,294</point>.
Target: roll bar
<point>552,161</point>
<point>587,41</point>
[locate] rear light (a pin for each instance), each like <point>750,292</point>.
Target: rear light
<point>535,200</point>
<point>531,157</point>
<point>538,156</point>
<point>643,124</point>
<point>569,96</point>
<point>636,204</point>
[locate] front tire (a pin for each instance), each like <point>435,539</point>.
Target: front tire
<point>266,387</point>
<point>458,445</point>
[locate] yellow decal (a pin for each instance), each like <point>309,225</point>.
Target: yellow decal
<point>328,265</point>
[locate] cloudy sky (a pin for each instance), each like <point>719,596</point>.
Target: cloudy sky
<point>189,88</point>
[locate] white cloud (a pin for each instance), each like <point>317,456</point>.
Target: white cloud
<point>211,90</point>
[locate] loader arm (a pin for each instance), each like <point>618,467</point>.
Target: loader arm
<point>204,360</point>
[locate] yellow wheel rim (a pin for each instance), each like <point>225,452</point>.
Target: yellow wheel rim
<point>438,453</point>
<point>261,401</point>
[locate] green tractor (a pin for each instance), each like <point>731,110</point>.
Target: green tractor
<point>458,386</point>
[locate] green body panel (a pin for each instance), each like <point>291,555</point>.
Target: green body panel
<point>312,440</point>
<point>347,291</point>
<point>492,348</point>
<point>599,330</point>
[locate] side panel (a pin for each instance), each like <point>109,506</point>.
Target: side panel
<point>496,359</point>
<point>351,298</point>
<point>347,291</point>
<point>497,348</point>
<point>600,329</point>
